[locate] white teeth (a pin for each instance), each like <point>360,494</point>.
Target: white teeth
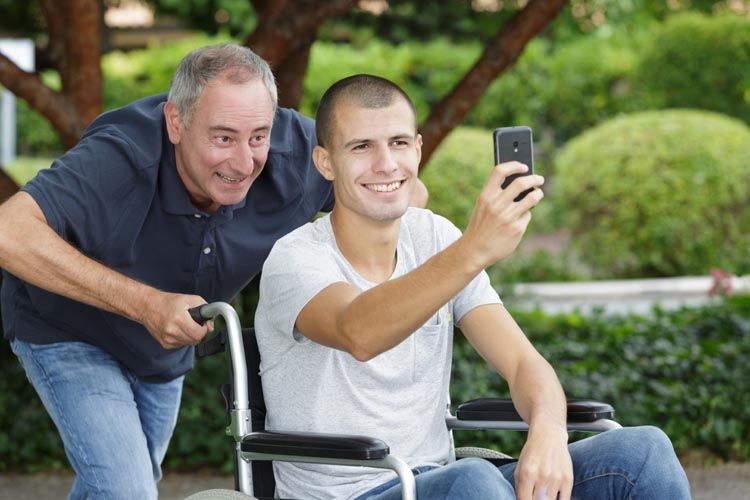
<point>230,179</point>
<point>384,188</point>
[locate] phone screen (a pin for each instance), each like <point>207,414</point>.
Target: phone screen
<point>514,144</point>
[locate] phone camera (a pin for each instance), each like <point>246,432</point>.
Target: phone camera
<point>515,146</point>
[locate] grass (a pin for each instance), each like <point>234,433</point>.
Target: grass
<point>25,167</point>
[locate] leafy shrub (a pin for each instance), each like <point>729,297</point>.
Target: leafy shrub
<point>455,176</point>
<point>683,371</point>
<point>421,69</point>
<point>695,61</point>
<point>660,193</point>
<point>561,90</point>
<point>457,172</point>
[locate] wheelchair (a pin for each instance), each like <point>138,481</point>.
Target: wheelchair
<point>256,448</point>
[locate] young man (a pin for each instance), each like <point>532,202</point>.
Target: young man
<point>355,327</point>
<point>149,215</point>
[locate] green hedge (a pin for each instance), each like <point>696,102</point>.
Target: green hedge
<point>660,193</point>
<point>683,370</point>
<point>455,176</point>
<point>696,61</point>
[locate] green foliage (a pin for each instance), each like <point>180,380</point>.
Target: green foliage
<point>457,172</point>
<point>697,61</point>
<point>210,16</point>
<point>561,90</point>
<point>35,135</point>
<point>420,68</point>
<point>455,176</point>
<point>684,371</point>
<point>139,73</point>
<point>661,193</point>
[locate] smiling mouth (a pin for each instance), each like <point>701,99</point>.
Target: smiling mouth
<point>231,180</point>
<point>384,188</point>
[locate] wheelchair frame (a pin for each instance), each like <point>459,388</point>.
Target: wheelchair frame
<point>254,446</point>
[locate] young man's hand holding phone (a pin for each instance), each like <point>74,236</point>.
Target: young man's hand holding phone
<point>514,144</point>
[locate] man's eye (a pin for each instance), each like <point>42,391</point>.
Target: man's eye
<point>361,147</point>
<point>399,143</point>
<point>223,139</point>
<point>258,139</point>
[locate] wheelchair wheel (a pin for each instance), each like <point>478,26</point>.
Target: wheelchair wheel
<point>219,494</point>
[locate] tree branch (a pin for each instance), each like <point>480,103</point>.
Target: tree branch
<point>284,30</point>
<point>8,186</point>
<point>291,76</point>
<point>55,19</point>
<point>499,54</point>
<point>53,106</point>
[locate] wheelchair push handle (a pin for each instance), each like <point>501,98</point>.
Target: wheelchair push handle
<point>197,314</point>
<point>205,312</point>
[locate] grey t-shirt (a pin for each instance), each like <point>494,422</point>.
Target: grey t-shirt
<point>400,396</point>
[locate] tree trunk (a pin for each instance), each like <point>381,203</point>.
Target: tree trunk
<point>499,54</point>
<point>75,51</point>
<point>8,186</point>
<point>286,31</point>
<point>290,77</point>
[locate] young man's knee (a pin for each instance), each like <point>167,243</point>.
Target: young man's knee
<point>481,478</point>
<point>654,442</point>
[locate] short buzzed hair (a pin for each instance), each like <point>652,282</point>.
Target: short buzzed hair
<point>368,91</point>
<point>236,63</point>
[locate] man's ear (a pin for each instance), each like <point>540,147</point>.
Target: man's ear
<point>418,145</point>
<point>322,160</point>
<point>175,126</point>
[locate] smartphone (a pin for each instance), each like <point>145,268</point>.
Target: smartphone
<point>514,144</point>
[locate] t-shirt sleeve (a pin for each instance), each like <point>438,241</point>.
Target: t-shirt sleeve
<point>296,271</point>
<point>87,190</point>
<point>479,291</point>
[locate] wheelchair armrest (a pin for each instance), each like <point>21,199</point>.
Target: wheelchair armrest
<point>489,409</point>
<point>308,444</point>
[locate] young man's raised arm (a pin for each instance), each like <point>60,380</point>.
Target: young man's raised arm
<point>368,323</point>
<point>32,251</point>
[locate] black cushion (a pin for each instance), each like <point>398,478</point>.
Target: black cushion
<point>308,444</point>
<point>502,409</point>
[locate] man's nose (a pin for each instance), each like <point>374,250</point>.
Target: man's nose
<point>244,157</point>
<point>385,161</point>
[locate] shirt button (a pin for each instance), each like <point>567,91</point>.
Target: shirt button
<point>207,250</point>
<point>197,216</point>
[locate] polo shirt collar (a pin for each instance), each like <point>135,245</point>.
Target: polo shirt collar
<point>173,193</point>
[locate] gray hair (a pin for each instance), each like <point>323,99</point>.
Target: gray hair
<point>233,62</point>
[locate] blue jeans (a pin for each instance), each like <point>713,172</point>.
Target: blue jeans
<point>115,427</point>
<point>629,463</point>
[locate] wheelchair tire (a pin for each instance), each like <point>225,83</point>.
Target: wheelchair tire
<point>219,494</point>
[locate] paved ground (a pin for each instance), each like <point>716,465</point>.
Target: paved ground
<point>722,482</point>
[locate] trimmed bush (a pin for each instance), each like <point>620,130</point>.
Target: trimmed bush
<point>561,90</point>
<point>661,193</point>
<point>696,61</point>
<point>682,370</point>
<point>454,177</point>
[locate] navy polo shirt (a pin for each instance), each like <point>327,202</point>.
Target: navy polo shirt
<point>118,198</point>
